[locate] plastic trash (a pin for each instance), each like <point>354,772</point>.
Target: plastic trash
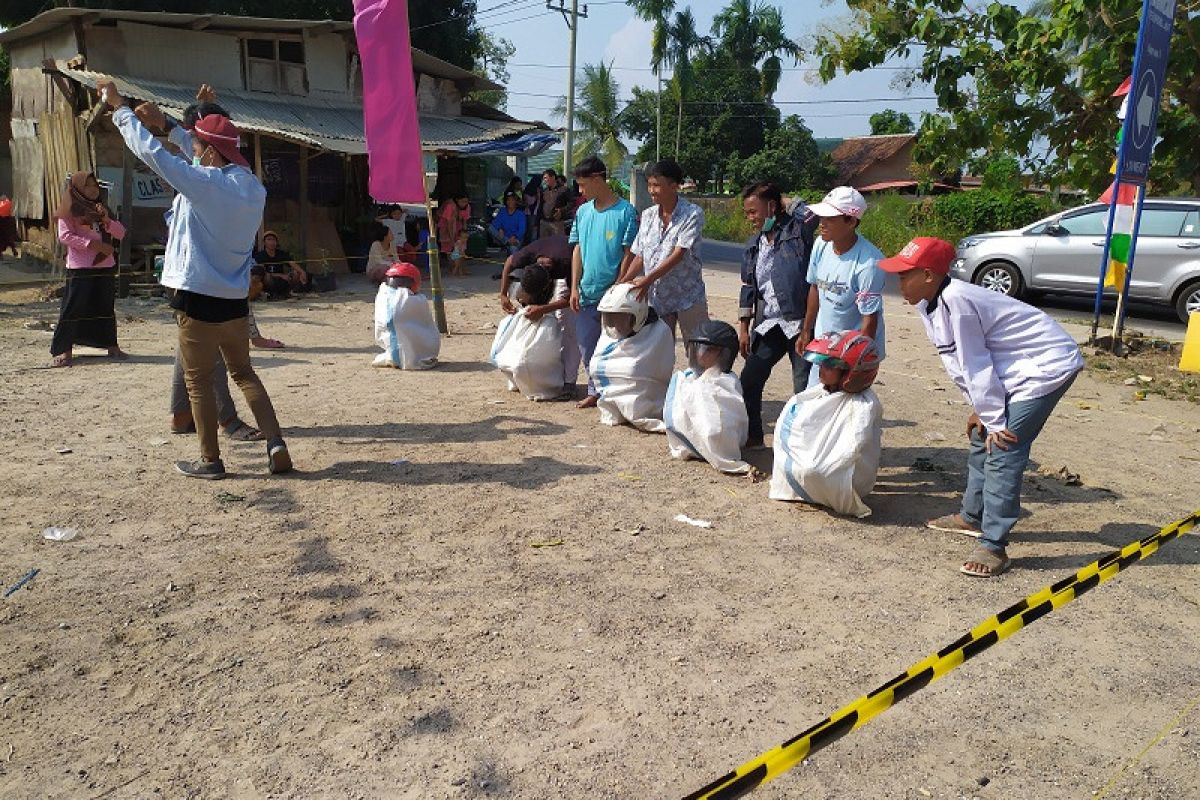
<point>60,534</point>
<point>699,523</point>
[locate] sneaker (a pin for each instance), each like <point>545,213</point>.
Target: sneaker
<point>278,460</point>
<point>207,470</point>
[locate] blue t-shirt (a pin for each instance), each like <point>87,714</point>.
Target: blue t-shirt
<point>510,224</point>
<point>849,287</point>
<point>602,237</point>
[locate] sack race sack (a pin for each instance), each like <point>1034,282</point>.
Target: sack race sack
<point>706,419</point>
<point>404,330</point>
<point>827,449</point>
<point>632,374</point>
<point>530,355</point>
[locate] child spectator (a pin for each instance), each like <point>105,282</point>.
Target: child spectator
<point>827,442</point>
<point>704,412</point>
<point>528,347</point>
<point>633,361</point>
<point>396,221</point>
<point>404,326</point>
<point>1013,363</point>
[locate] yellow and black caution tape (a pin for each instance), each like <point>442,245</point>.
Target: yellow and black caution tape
<point>779,760</point>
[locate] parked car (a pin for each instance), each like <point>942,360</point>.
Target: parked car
<point>1062,254</point>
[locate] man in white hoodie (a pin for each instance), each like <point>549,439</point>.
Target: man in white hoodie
<point>1013,364</point>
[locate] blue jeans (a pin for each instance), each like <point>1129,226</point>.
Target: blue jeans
<point>587,330</point>
<point>992,500</point>
<point>767,351</point>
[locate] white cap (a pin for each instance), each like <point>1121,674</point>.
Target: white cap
<point>841,201</point>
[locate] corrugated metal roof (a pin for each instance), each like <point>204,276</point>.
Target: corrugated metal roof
<point>55,17</point>
<point>314,121</point>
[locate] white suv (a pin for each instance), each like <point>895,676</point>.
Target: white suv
<point>1062,255</point>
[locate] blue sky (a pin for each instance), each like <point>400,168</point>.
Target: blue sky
<point>612,34</point>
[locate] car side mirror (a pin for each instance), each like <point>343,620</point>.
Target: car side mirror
<point>1055,229</point>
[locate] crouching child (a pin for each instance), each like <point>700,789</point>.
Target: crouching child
<point>404,327</point>
<point>705,414</point>
<point>529,343</point>
<point>828,438</point>
<point>633,361</point>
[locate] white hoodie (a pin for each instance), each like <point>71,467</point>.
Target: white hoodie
<point>998,350</point>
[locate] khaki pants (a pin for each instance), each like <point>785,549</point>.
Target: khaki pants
<point>199,345</point>
<point>689,320</point>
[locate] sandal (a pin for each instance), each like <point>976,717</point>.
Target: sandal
<point>62,360</point>
<point>239,431</point>
<point>985,563</point>
<point>953,523</point>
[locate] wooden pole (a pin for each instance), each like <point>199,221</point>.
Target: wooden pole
<point>435,272</point>
<point>258,173</point>
<point>126,215</point>
<point>303,228</point>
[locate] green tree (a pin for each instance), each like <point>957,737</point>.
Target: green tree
<point>492,63</point>
<point>789,157</point>
<point>639,120</point>
<point>890,121</point>
<point>447,29</point>
<point>1036,82</point>
<point>685,43</point>
<point>751,34</point>
<point>658,14</point>
<point>598,122</point>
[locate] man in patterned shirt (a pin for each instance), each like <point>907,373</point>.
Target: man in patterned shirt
<point>666,264</point>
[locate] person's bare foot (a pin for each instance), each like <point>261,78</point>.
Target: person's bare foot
<point>61,360</point>
<point>588,402</point>
<point>266,344</point>
<point>117,354</point>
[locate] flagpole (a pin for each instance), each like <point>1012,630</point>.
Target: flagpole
<point>1123,290</point>
<point>435,272</point>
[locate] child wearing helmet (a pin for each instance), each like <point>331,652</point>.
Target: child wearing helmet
<point>705,414</point>
<point>529,343</point>
<point>633,361</point>
<point>404,327</point>
<point>828,438</point>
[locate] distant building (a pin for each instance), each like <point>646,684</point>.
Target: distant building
<point>876,163</point>
<point>294,87</point>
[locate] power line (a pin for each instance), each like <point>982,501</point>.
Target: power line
<point>776,102</point>
<point>706,69</point>
<point>498,10</point>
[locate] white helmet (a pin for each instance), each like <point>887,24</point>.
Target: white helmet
<point>622,299</point>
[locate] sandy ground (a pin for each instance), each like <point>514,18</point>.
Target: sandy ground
<point>370,629</point>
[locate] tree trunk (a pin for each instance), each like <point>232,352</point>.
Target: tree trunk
<point>679,127</point>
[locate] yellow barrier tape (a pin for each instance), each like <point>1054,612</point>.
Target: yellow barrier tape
<point>779,760</point>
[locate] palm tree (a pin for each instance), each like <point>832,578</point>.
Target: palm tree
<point>753,32</point>
<point>597,116</point>
<point>658,13</point>
<point>685,42</point>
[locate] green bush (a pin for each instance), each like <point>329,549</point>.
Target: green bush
<point>982,211</point>
<point>727,224</point>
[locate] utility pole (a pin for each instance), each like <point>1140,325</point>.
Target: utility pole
<point>658,122</point>
<point>573,26</point>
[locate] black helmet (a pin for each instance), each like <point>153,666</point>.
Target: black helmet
<point>715,334</point>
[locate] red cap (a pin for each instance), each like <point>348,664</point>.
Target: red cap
<point>923,252</point>
<point>403,269</point>
<point>223,135</point>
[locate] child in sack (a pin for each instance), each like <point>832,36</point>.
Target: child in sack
<point>633,361</point>
<point>704,413</point>
<point>828,439</point>
<point>528,347</point>
<point>404,326</point>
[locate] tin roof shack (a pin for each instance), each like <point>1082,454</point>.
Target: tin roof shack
<point>292,86</point>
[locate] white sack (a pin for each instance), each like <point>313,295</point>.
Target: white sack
<point>404,329</point>
<point>530,355</point>
<point>827,448</point>
<point>706,419</point>
<point>631,376</point>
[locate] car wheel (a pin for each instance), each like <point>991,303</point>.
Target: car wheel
<point>1001,278</point>
<point>1188,302</point>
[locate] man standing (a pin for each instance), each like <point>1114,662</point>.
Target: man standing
<point>554,254</point>
<point>604,230</point>
<point>216,213</point>
<point>666,262</point>
<point>772,301</point>
<point>554,205</point>
<point>845,282</point>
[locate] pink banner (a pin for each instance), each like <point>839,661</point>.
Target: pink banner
<point>389,101</point>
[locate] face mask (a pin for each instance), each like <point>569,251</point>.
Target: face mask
<point>769,225</point>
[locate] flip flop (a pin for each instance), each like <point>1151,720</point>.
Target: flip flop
<point>239,431</point>
<point>952,523</point>
<point>994,563</point>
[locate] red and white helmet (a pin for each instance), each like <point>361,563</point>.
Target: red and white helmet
<point>852,351</point>
<point>403,269</point>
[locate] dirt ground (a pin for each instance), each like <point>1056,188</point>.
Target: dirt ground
<point>375,629</point>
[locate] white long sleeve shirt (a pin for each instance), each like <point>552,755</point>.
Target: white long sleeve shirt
<point>997,349</point>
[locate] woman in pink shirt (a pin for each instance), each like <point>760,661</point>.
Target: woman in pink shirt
<point>452,231</point>
<point>88,231</point>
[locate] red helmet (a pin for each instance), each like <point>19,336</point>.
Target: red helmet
<point>852,351</point>
<point>403,269</point>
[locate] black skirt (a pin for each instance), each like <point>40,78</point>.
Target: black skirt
<point>88,315</point>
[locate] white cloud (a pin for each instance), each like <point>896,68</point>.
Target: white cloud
<point>630,47</point>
